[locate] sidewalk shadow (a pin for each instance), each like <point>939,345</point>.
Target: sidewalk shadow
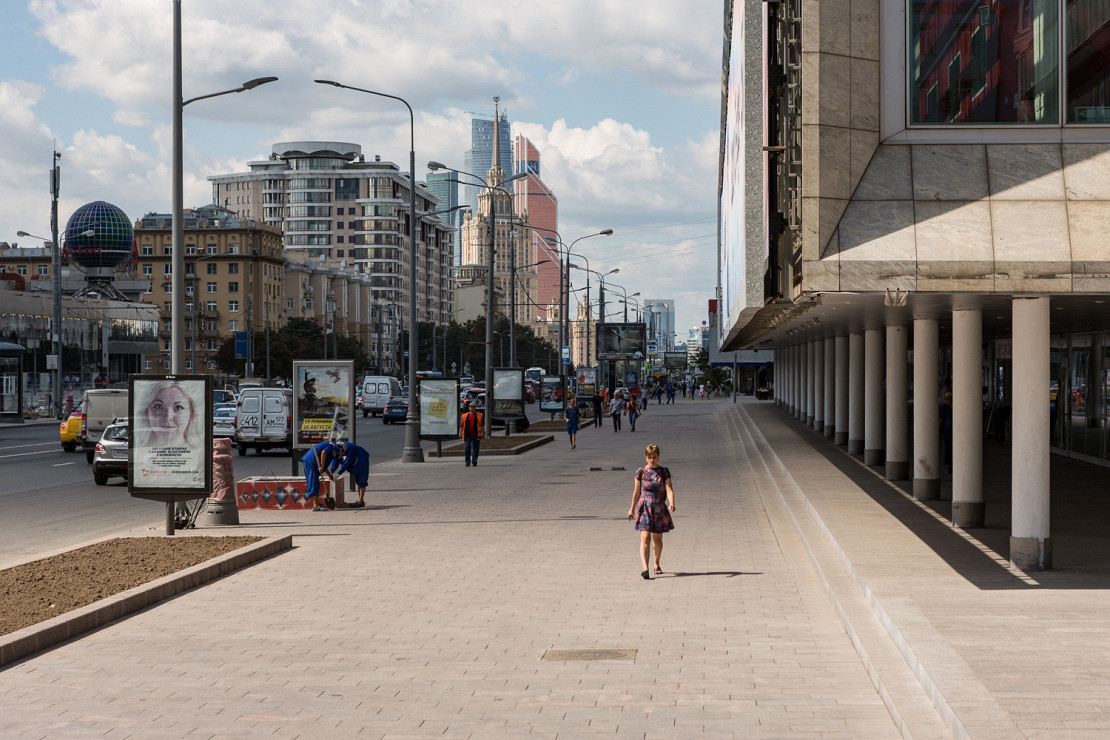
<point>726,573</point>
<point>1084,565</point>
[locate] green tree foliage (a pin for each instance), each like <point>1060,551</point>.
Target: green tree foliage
<point>299,339</point>
<point>466,343</point>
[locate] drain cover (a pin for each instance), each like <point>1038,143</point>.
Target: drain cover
<point>595,654</point>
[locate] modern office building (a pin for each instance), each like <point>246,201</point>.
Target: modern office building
<point>659,317</point>
<point>331,203</point>
<point>479,157</point>
<point>536,202</point>
<point>445,190</point>
<point>512,241</point>
<point>936,178</point>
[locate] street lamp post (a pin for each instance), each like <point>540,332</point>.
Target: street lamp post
<point>177,239</point>
<point>566,306</point>
<point>413,452</point>
<point>512,304</point>
<point>487,418</point>
<point>601,295</point>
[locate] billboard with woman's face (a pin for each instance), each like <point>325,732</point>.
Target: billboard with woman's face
<point>170,434</point>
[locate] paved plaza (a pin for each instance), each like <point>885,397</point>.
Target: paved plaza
<point>803,596</point>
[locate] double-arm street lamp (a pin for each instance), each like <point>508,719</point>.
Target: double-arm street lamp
<point>601,295</point>
<point>413,452</point>
<point>566,295</point>
<point>487,418</point>
<point>512,303</point>
<point>177,239</point>
<point>638,308</point>
<point>624,299</point>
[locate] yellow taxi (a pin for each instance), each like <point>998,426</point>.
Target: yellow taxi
<point>70,428</point>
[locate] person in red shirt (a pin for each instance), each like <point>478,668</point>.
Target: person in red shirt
<point>470,431</point>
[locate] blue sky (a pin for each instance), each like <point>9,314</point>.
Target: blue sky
<point>622,99</point>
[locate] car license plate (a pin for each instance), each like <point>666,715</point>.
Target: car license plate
<point>119,453</point>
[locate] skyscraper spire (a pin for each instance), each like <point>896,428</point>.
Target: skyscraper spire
<point>496,174</point>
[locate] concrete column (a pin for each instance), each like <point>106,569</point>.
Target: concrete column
<point>788,381</point>
<point>799,381</point>
<point>828,386</point>
<point>811,382</point>
<point>855,394</point>
<point>926,421</point>
<point>897,429</point>
<point>776,374</point>
<point>819,386</point>
<point>967,418</point>
<point>1030,543</point>
<point>841,391</point>
<point>873,417</point>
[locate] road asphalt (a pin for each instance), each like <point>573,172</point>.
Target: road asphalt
<point>802,596</point>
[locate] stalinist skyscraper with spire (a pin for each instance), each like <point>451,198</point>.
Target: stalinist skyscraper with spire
<point>511,234</point>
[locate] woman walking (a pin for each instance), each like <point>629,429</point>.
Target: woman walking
<point>633,411</point>
<point>652,504</point>
<point>570,416</point>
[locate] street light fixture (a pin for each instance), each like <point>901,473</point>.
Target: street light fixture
<point>413,452</point>
<point>487,420</point>
<point>566,308</point>
<point>177,238</point>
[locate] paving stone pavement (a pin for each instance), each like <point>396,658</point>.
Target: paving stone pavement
<point>428,614</point>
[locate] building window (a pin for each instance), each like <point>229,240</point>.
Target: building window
<point>233,287</point>
<point>22,270</point>
<point>188,343</point>
<point>288,304</point>
<point>190,249</point>
<point>148,364</point>
<point>233,306</point>
<point>148,270</point>
<point>167,269</point>
<point>147,250</point>
<point>339,240</point>
<point>210,306</point>
<point>167,287</point>
<point>233,268</point>
<point>212,267</point>
<point>167,250</point>
<point>233,249</point>
<point>188,306</point>
<point>211,249</point>
<point>233,325</point>
<point>211,326</point>
<point>1002,63</point>
<point>188,361</point>
<point>211,287</point>
<point>42,270</point>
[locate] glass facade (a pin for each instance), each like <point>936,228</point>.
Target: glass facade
<point>998,62</point>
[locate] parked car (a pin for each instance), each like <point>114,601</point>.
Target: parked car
<point>111,453</point>
<point>471,394</point>
<point>71,430</point>
<point>396,410</point>
<point>223,421</point>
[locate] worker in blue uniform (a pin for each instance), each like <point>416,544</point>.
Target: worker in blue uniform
<point>356,460</point>
<point>314,463</point>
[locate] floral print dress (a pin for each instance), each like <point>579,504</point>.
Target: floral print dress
<point>651,513</point>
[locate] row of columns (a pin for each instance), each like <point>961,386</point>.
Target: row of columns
<point>855,389</point>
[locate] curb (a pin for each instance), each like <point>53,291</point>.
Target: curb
<point>457,450</point>
<point>36,637</point>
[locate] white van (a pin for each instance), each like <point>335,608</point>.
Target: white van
<point>98,408</point>
<point>376,392</point>
<point>263,419</point>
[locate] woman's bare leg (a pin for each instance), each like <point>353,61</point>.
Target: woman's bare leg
<point>657,538</point>
<point>645,545</point>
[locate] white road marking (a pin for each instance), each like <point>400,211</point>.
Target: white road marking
<point>25,454</point>
<point>58,465</point>
<point>36,444</point>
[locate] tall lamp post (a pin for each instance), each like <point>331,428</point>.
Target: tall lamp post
<point>413,452</point>
<point>624,300</point>
<point>487,418</point>
<point>601,295</point>
<point>512,305</point>
<point>566,305</point>
<point>177,278</point>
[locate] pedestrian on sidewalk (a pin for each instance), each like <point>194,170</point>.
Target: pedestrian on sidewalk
<point>570,416</point>
<point>652,504</point>
<point>356,460</point>
<point>633,410</point>
<point>616,408</point>
<point>597,401</point>
<point>471,431</point>
<point>315,463</point>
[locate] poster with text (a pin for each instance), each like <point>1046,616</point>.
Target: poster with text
<point>169,434</point>
<point>439,409</point>
<point>508,393</point>
<point>323,397</point>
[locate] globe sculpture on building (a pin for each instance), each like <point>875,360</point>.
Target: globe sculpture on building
<point>99,237</point>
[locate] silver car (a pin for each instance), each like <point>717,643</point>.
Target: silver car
<point>111,454</point>
<point>223,421</point>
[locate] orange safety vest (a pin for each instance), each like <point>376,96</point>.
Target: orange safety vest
<point>471,424</point>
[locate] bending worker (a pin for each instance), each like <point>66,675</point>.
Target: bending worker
<point>350,457</point>
<point>315,462</point>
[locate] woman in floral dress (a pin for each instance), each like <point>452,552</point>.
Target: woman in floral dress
<point>652,504</point>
